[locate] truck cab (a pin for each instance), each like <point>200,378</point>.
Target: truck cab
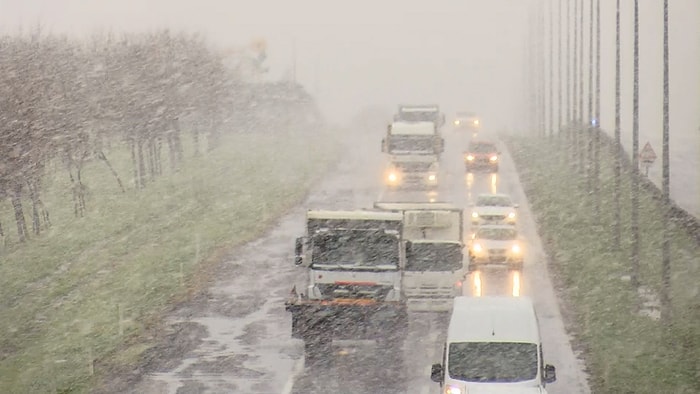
<point>436,264</point>
<point>420,172</point>
<point>412,138</point>
<point>419,113</point>
<point>354,262</point>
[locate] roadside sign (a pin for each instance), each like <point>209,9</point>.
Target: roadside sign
<point>647,155</point>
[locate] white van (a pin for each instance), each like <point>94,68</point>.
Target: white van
<point>493,345</point>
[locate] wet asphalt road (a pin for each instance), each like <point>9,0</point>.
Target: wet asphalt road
<point>248,349</point>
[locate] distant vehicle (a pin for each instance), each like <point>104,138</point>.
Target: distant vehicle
<point>493,209</point>
<point>481,155</point>
<point>420,113</point>
<point>498,244</point>
<point>468,121</point>
<point>493,345</point>
<point>412,138</point>
<point>417,172</point>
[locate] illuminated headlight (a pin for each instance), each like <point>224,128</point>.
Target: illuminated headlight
<point>475,215</point>
<point>392,177</point>
<point>432,177</point>
<point>516,249</point>
<point>511,215</point>
<point>470,157</point>
<point>493,158</point>
<point>456,123</point>
<point>477,248</point>
<point>476,122</point>
<point>449,389</point>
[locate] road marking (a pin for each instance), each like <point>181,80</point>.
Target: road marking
<point>297,369</point>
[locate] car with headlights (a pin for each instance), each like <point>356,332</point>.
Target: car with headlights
<point>467,121</point>
<point>496,208</point>
<point>496,244</point>
<point>482,155</point>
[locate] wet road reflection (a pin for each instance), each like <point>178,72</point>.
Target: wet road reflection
<point>493,281</point>
<point>480,183</point>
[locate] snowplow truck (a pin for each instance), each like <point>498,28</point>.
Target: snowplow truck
<point>353,291</point>
<point>436,265</point>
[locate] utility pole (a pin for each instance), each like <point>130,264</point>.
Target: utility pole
<point>568,136</point>
<point>666,177</point>
<point>596,130</point>
<point>541,71</point>
<point>531,56</point>
<point>617,233</point>
<point>581,151</point>
<point>551,69</point>
<point>559,89</point>
<point>294,61</point>
<point>589,119</point>
<point>635,154</point>
<point>575,125</point>
<point>568,64</point>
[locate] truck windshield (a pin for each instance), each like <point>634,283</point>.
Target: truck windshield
<point>418,116</point>
<point>434,257</point>
<point>411,143</point>
<point>355,249</point>
<point>497,362</point>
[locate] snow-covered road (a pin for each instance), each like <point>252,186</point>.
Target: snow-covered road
<point>247,347</point>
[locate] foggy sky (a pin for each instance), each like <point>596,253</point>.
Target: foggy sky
<point>461,54</point>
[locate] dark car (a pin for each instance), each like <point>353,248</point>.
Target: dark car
<point>481,155</point>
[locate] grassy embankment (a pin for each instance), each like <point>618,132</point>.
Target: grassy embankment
<point>626,351</point>
<point>85,292</point>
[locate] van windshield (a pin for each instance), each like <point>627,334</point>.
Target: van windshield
<point>495,362</point>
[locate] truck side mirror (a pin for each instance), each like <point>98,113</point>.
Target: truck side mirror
<point>550,373</point>
<point>383,145</point>
<point>299,251</point>
<point>436,373</point>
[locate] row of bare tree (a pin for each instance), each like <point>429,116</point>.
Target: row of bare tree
<point>67,101</point>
